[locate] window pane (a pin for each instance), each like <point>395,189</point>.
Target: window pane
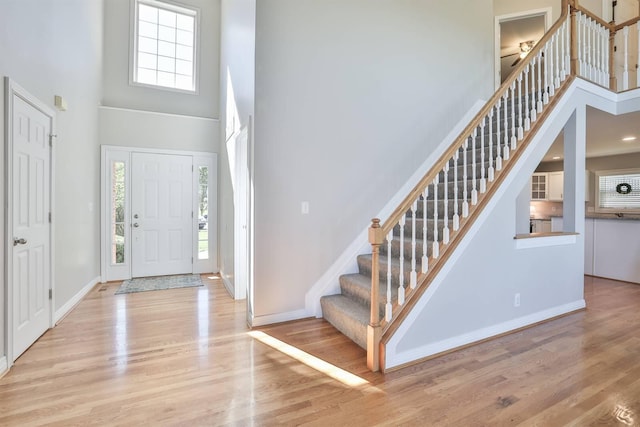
<point>185,22</point>
<point>167,18</point>
<point>148,45</point>
<point>619,191</point>
<point>147,13</point>
<point>147,60</point>
<point>117,212</point>
<point>166,79</point>
<point>167,49</point>
<point>185,37</point>
<point>146,29</point>
<point>184,82</point>
<point>184,52</point>
<point>167,34</point>
<point>147,76</point>
<point>166,64</point>
<point>203,244</point>
<point>184,67</point>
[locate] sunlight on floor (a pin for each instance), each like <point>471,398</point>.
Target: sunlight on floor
<point>319,365</point>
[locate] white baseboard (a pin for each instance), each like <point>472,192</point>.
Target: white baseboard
<point>227,284</point>
<point>4,366</point>
<point>400,358</point>
<point>68,306</point>
<point>279,317</point>
<point>346,263</point>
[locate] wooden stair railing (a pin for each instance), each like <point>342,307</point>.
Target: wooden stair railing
<point>579,44</point>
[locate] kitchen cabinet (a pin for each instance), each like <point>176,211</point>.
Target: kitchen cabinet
<point>539,186</point>
<point>556,186</point>
<point>540,225</point>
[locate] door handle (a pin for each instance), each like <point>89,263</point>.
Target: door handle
<point>136,225</point>
<point>17,241</point>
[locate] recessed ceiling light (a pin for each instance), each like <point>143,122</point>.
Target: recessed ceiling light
<point>629,138</point>
<point>555,158</point>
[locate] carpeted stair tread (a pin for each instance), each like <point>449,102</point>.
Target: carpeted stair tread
<point>358,286</point>
<point>348,316</point>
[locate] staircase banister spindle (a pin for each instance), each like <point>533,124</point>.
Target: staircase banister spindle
<point>591,15</point>
<point>393,219</point>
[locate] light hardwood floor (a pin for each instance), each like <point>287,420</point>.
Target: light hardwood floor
<point>185,357</point>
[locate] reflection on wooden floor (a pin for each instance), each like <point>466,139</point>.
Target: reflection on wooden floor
<point>185,357</point>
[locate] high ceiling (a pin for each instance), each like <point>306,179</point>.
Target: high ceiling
<point>514,32</point>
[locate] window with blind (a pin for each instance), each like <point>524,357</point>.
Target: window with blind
<point>618,191</point>
<point>164,45</point>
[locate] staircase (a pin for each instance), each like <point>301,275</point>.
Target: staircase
<point>349,311</point>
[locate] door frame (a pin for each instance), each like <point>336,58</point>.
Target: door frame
<point>546,12</point>
<point>118,153</point>
<point>13,89</point>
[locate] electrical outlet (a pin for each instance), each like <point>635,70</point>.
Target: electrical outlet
<point>516,300</point>
<point>304,208</point>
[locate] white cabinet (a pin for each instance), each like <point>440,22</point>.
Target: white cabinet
<point>556,186</point>
<point>541,226</point>
<point>539,186</point>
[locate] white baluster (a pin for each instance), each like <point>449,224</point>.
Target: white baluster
<point>638,57</point>
<point>563,35</point>
<point>550,66</point>
<point>465,194</point>
<point>491,170</point>
<point>498,149</point>
<point>625,73</point>
<point>425,258</point>
<point>514,138</point>
<point>483,180</point>
<point>474,190</point>
<point>402,222</point>
<point>598,36</point>
<point>581,43</point>
<point>545,73</point>
<point>534,93</point>
<point>527,120</point>
<point>520,128</point>
<point>540,88</point>
<point>556,51</point>
<point>456,217</point>
<point>413,278</point>
<point>445,201</point>
<point>567,46</point>
<point>435,253</point>
<point>388,307</point>
<point>589,59</point>
<point>505,147</point>
<point>605,37</point>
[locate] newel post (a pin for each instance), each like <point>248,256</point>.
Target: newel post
<point>376,238</point>
<point>613,82</point>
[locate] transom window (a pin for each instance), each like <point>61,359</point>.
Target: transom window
<point>164,52</point>
<point>618,191</point>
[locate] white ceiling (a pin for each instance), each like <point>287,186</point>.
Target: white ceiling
<point>514,32</point>
<point>604,135</point>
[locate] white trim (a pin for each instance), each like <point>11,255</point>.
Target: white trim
<point>400,358</point>
<point>546,241</point>
<point>4,366</point>
<point>74,300</point>
<point>11,89</point>
<point>156,113</point>
<point>546,12</point>
<point>269,319</point>
<point>346,263</point>
<point>227,284</point>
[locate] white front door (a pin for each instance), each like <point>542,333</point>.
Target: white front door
<point>161,214</point>
<point>30,230</point>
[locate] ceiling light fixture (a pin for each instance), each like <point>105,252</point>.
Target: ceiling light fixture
<point>629,138</point>
<point>555,158</point>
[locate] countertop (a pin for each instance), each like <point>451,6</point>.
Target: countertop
<point>593,215</point>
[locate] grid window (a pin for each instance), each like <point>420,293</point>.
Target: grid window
<point>165,43</point>
<point>619,191</point>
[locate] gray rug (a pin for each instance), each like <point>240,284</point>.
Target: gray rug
<point>144,284</point>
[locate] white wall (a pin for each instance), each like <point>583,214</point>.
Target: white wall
<point>118,92</point>
<point>506,7</point>
<point>52,48</point>
<point>237,98</point>
<point>351,97</point>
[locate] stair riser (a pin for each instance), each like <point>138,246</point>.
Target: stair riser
<point>408,228</point>
<point>364,266</point>
<point>342,322</point>
<point>395,248</point>
<point>363,296</point>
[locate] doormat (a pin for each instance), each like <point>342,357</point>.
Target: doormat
<point>144,284</point>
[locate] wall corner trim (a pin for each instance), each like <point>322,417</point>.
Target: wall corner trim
<point>227,283</point>
<point>4,367</point>
<point>269,319</point>
<point>73,301</point>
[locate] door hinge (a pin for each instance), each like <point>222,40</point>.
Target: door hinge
<point>49,217</point>
<point>191,214</point>
<point>50,293</point>
<point>191,260</point>
<point>51,136</point>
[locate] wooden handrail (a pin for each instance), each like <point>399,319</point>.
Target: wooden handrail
<point>599,20</point>
<point>401,210</point>
<point>631,21</point>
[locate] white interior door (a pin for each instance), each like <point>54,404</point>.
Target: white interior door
<point>161,214</point>
<point>30,228</point>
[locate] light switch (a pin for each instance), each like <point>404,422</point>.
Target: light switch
<point>305,208</point>
<point>60,103</point>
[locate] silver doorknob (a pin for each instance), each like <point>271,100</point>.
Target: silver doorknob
<point>136,225</point>
<point>17,241</point>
